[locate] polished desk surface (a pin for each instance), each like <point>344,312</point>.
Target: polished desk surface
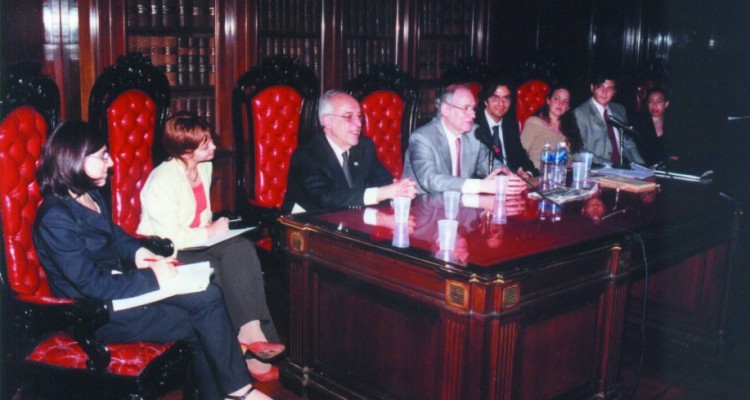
<point>535,231</point>
<point>543,297</point>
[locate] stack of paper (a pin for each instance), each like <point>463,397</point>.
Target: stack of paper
<point>191,278</point>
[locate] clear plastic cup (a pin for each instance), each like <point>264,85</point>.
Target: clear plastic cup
<point>586,157</point>
<point>579,171</point>
<point>451,200</point>
<point>400,235</point>
<point>447,229</point>
<point>401,207</point>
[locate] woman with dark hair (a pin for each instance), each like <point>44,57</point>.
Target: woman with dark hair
<point>176,205</point>
<point>81,248</point>
<point>553,123</point>
<point>652,138</point>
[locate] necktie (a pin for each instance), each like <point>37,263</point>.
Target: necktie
<point>458,156</point>
<point>615,156</point>
<point>345,167</point>
<point>498,150</point>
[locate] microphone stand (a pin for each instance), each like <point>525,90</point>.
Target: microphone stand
<point>623,127</point>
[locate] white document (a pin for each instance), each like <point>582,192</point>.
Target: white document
<point>219,238</point>
<point>191,278</point>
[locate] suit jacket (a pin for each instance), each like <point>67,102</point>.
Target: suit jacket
<point>168,204</point>
<point>79,248</point>
<point>514,151</point>
<point>316,180</point>
<point>653,148</point>
<point>428,159</point>
<point>594,133</point>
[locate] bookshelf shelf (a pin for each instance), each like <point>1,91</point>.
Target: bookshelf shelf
<point>178,36</point>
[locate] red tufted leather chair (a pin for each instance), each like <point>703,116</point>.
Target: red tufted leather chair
<point>273,108</point>
<point>530,96</point>
<point>38,351</point>
<point>388,98</point>
<point>130,101</point>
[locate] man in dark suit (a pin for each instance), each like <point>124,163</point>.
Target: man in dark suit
<point>339,168</point>
<point>498,129</point>
<point>600,136</point>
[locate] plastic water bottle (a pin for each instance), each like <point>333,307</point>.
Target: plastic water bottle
<point>549,211</point>
<point>561,165</point>
<point>546,162</point>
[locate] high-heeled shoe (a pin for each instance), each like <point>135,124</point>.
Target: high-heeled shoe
<point>268,376</point>
<point>263,351</point>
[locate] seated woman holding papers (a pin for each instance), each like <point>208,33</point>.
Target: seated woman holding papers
<point>176,205</point>
<point>80,247</point>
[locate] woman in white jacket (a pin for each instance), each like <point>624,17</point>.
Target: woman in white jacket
<point>176,204</point>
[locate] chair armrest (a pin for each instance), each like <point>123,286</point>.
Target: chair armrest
<point>86,316</point>
<point>38,317</point>
<point>159,246</point>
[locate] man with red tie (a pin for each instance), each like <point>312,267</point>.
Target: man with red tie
<point>600,136</point>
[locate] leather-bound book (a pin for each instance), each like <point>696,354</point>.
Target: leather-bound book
<point>169,13</point>
<point>170,59</point>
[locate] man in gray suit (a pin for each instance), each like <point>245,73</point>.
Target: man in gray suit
<point>445,155</point>
<point>601,137</point>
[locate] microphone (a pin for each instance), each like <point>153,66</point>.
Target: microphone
<point>620,124</point>
<point>486,139</point>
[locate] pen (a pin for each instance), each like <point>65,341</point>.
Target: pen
<point>235,220</point>
<point>173,262</point>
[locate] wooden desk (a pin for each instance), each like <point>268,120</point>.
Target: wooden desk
<point>530,309</point>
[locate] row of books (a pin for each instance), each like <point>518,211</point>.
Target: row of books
<point>426,106</point>
<point>185,60</point>
<point>370,17</point>
<point>171,14</point>
<point>289,16</point>
<point>437,55</point>
<point>446,17</point>
<point>204,106</point>
<point>306,49</point>
<point>361,54</point>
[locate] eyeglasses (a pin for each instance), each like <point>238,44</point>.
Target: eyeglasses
<point>467,109</point>
<point>350,118</point>
<point>495,98</point>
<point>104,157</point>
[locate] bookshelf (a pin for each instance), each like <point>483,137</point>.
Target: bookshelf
<point>178,36</point>
<point>447,30</point>
<point>369,35</point>
<point>204,46</point>
<point>290,27</point>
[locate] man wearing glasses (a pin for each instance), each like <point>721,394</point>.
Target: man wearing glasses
<point>339,168</point>
<point>444,155</point>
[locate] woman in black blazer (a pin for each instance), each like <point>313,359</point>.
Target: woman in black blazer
<point>654,129</point>
<point>80,247</point>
